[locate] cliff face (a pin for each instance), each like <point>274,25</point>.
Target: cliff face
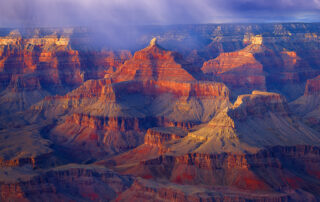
<point>92,96</point>
<point>308,105</point>
<point>313,86</point>
<point>241,171</point>
<point>268,171</point>
<point>187,176</point>
<point>239,69</point>
<point>99,136</point>
<point>78,182</point>
<point>258,104</point>
<point>158,136</point>
<point>70,182</point>
<point>33,67</point>
<point>253,122</point>
<point>105,61</point>
<point>42,55</point>
<point>287,72</point>
<point>22,92</point>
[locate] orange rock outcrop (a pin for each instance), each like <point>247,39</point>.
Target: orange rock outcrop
<point>154,63</point>
<point>237,69</point>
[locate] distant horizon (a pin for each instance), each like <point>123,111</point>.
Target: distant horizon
<point>143,25</point>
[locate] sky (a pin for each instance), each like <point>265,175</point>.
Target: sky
<point>28,13</point>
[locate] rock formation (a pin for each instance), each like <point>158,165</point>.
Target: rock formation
<point>253,122</point>
<point>52,65</point>
<point>256,135</point>
<point>154,63</point>
<point>81,120</point>
<point>308,105</point>
<point>239,69</point>
<point>112,114</point>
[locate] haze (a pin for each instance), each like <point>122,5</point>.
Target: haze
<point>28,13</point>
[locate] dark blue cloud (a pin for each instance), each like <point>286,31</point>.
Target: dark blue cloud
<point>128,12</point>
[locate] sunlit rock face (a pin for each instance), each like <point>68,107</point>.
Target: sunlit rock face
<point>239,69</point>
<point>253,39</point>
<point>191,113</point>
<point>154,63</point>
<point>159,136</point>
<point>53,66</point>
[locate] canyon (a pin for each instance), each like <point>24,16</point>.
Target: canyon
<point>233,116</point>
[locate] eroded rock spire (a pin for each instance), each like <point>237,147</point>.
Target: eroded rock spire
<point>153,42</point>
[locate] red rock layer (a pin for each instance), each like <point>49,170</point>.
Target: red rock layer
<point>41,161</point>
<point>93,89</point>
<point>147,190</point>
<point>229,61</point>
<point>104,90</point>
<point>83,142</point>
<point>237,69</point>
<point>100,136</point>
<point>154,63</point>
<point>185,89</point>
<point>124,124</point>
<point>75,182</point>
<point>64,68</point>
<point>108,123</point>
<point>158,136</point>
<point>240,171</point>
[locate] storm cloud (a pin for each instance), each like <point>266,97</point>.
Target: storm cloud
<point>141,12</point>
